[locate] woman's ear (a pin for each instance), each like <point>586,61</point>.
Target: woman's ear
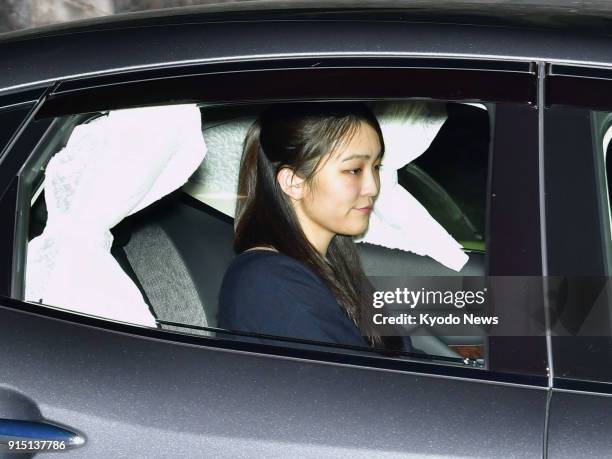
<point>291,183</point>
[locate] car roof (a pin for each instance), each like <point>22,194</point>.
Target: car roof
<point>553,31</point>
<point>596,16</point>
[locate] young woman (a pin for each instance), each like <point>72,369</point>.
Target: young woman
<point>308,182</point>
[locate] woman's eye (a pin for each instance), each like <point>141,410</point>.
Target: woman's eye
<point>359,170</point>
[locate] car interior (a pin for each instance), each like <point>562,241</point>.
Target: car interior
<point>180,236</point>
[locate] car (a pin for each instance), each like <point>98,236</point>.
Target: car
<point>507,123</point>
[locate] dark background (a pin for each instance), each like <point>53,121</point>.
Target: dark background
<point>588,14</point>
<point>21,14</point>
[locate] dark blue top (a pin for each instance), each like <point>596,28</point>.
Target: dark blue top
<point>271,293</point>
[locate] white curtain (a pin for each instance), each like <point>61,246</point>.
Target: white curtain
<point>399,221</point>
<point>111,167</point>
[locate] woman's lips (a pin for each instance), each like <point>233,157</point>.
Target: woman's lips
<point>365,210</point>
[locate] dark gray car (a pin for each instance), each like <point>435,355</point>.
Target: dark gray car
<point>539,209</point>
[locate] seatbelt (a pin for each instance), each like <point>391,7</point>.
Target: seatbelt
<point>165,279</point>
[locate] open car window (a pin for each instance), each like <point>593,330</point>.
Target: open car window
<point>172,253</point>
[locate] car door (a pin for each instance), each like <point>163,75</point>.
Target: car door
<point>577,122</point>
<point>126,390</point>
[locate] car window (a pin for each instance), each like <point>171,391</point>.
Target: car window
<point>605,158</point>
<point>450,178</point>
<point>579,240</point>
<point>177,250</point>
<point>11,118</point>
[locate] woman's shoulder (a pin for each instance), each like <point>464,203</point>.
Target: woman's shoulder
<point>282,281</point>
<point>274,294</point>
<point>269,265</point>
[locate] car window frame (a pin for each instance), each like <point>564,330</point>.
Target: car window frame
<point>66,94</point>
<point>575,94</point>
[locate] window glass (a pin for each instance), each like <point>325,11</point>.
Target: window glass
<point>172,252</point>
<point>11,118</point>
<point>606,159</point>
<point>579,240</point>
<point>455,166</point>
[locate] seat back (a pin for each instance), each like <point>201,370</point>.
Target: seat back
<point>165,278</point>
<point>178,250</point>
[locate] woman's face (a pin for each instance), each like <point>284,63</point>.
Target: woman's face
<point>340,198</point>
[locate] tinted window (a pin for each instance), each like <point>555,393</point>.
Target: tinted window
<point>578,231</point>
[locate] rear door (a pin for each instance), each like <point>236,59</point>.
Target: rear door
<point>133,391</point>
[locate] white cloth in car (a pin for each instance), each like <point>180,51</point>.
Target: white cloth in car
<point>399,220</point>
<point>111,167</point>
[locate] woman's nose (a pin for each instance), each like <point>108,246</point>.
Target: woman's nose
<point>371,184</point>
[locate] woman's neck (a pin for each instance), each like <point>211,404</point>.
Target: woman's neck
<point>318,237</point>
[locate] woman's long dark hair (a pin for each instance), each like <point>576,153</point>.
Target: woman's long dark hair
<point>297,135</point>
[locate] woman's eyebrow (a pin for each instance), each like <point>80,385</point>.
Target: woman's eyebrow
<point>362,156</point>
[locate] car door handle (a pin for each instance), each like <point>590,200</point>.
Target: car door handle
<point>37,435</point>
